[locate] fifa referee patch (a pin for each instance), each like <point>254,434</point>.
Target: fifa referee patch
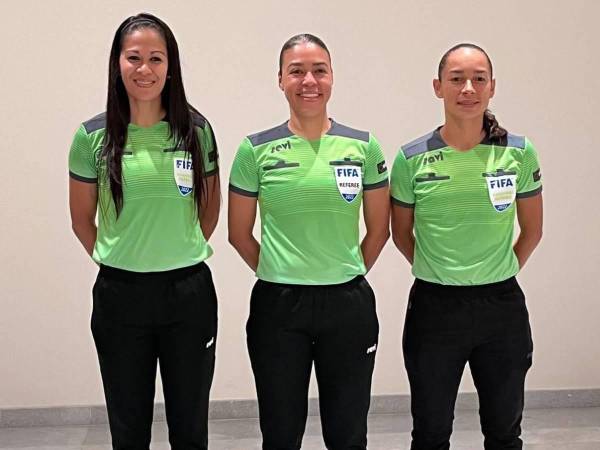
<point>349,181</point>
<point>502,190</point>
<point>182,170</point>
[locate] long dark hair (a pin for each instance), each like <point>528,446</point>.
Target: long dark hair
<point>304,38</point>
<point>179,112</point>
<point>493,130</point>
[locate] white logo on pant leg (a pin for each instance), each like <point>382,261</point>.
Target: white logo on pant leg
<point>372,349</point>
<point>211,342</point>
<point>349,181</point>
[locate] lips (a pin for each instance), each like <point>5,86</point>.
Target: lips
<point>144,83</point>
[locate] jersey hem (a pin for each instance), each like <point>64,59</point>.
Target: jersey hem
<point>241,191</point>
<point>309,282</point>
<point>456,283</point>
<point>530,193</point>
<point>84,179</point>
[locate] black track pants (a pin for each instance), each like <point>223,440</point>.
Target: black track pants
<point>292,326</point>
<point>448,326</point>
<point>139,319</point>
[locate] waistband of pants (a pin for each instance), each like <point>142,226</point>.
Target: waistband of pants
<point>357,279</point>
<point>478,290</point>
<point>128,275</point>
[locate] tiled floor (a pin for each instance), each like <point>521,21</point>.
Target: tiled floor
<point>545,429</point>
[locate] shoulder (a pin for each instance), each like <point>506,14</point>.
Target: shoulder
<point>426,143</point>
<point>198,119</point>
<point>96,123</point>
<point>338,129</point>
<point>272,134</point>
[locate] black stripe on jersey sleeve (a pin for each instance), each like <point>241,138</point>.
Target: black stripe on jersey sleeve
<point>241,191</point>
<point>84,179</point>
<point>211,173</point>
<point>380,184</point>
<point>530,193</point>
<point>395,201</point>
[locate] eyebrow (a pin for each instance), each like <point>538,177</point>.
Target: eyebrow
<point>137,51</point>
<point>462,71</point>
<point>298,64</point>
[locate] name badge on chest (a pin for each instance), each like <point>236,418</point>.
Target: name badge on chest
<point>349,181</point>
<point>182,170</point>
<point>502,190</point>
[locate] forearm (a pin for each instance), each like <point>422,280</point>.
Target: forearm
<point>86,233</point>
<point>371,246</point>
<point>525,245</point>
<point>248,248</point>
<point>208,225</point>
<point>406,244</point>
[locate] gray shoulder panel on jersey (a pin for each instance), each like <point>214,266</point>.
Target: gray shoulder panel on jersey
<point>515,141</point>
<point>427,143</point>
<point>272,134</point>
<point>337,129</point>
<point>95,123</point>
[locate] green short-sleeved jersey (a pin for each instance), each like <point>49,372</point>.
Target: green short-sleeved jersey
<point>464,206</point>
<point>309,194</point>
<point>158,228</point>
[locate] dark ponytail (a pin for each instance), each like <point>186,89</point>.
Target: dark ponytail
<point>494,132</point>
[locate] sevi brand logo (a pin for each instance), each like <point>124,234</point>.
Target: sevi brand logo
<point>287,145</point>
<point>432,159</point>
<point>501,183</point>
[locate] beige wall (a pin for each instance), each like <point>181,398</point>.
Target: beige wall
<point>53,76</point>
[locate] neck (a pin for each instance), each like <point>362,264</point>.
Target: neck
<point>311,128</point>
<point>463,134</point>
<point>145,114</point>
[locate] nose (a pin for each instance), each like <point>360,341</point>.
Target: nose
<point>144,69</point>
<point>309,79</point>
<point>468,86</point>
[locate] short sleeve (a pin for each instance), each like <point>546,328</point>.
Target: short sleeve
<point>244,171</point>
<point>82,159</point>
<point>376,173</point>
<point>529,178</point>
<point>210,153</point>
<point>401,187</point>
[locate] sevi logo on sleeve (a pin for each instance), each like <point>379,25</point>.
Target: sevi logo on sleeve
<point>349,181</point>
<point>182,170</point>
<point>502,190</point>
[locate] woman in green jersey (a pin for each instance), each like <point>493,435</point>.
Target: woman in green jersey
<point>311,303</point>
<point>148,168</point>
<point>455,193</point>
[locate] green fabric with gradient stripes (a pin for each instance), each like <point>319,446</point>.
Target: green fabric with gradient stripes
<point>309,231</point>
<point>158,228</point>
<point>461,237</point>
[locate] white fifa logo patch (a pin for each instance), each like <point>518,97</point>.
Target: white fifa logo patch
<point>211,342</point>
<point>184,175</point>
<point>372,349</point>
<point>349,181</point>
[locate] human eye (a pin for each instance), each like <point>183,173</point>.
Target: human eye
<point>481,79</point>
<point>133,58</point>
<point>456,79</point>
<point>156,59</point>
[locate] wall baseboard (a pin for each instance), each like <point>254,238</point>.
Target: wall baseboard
<point>245,409</point>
